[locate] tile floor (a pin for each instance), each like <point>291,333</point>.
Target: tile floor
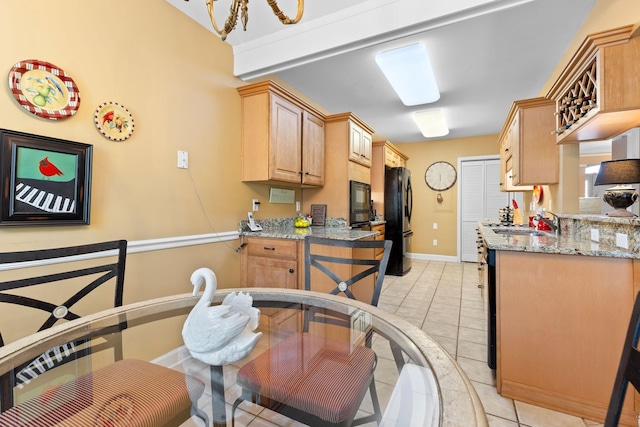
<point>442,298</point>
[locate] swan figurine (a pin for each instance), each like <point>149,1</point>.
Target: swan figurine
<point>222,334</point>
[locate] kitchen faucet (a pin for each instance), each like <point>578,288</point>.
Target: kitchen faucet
<point>554,224</point>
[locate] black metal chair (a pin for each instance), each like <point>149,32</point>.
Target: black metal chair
<point>628,370</point>
<point>102,265</point>
<point>325,384</point>
<point>100,270</point>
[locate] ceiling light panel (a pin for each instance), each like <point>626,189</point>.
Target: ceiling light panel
<point>431,123</point>
<point>409,72</point>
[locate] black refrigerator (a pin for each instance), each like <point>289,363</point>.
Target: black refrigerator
<point>398,203</point>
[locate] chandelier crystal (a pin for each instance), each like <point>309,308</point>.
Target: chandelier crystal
<point>241,7</point>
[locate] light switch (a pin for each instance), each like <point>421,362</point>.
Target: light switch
<point>435,225</point>
<point>183,160</point>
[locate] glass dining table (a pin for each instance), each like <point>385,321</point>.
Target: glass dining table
<point>128,366</point>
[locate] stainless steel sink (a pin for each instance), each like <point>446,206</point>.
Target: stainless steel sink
<point>521,232</point>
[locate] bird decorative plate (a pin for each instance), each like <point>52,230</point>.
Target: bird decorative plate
<point>114,121</point>
<point>43,89</point>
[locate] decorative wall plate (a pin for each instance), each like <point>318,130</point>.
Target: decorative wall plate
<point>113,121</point>
<point>537,194</point>
<point>43,89</point>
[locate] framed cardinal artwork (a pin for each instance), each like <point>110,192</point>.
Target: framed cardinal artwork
<point>45,181</point>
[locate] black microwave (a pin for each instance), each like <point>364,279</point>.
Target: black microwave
<point>359,202</point>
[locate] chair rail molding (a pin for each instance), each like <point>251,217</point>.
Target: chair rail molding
<point>140,246</point>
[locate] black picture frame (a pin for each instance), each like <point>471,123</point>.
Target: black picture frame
<point>44,181</point>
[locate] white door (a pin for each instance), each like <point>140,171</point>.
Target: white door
<point>480,199</point>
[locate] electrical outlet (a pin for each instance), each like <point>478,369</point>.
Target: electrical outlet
<point>595,234</point>
<point>297,206</point>
<point>621,240</point>
<point>435,225</point>
<point>183,159</point>
<point>435,242</point>
<point>255,205</point>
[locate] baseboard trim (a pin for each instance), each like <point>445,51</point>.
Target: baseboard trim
<point>429,257</point>
<point>137,246</point>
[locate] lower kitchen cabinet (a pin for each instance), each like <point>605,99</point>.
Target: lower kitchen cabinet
<point>561,325</point>
<point>272,263</point>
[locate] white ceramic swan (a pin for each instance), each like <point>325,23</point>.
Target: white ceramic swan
<point>222,334</point>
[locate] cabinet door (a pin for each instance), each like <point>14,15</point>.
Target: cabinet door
<point>312,150</point>
<point>285,141</point>
<point>272,273</point>
<point>514,138</point>
<point>355,142</point>
<point>360,143</point>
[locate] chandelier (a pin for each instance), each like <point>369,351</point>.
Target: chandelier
<point>242,6</point>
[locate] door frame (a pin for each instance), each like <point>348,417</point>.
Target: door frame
<point>459,213</point>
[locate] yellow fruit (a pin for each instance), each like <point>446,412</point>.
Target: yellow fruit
<point>39,100</point>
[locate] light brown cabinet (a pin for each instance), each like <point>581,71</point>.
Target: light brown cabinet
<point>597,95</point>
<point>341,132</point>
<point>384,154</point>
<point>282,137</point>
<point>267,262</point>
<point>560,329</point>
<point>528,151</point>
<point>359,142</point>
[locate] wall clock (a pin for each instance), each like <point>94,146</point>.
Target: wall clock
<point>440,176</point>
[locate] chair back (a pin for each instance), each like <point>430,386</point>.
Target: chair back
<point>344,265</point>
<point>102,264</point>
<point>628,370</point>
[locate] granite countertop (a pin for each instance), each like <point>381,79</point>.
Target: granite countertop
<point>547,242</point>
<point>282,228</point>
<point>339,233</point>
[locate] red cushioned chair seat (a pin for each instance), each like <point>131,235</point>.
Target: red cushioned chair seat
<point>125,393</point>
<point>322,377</point>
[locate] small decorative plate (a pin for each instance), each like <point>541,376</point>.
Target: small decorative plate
<point>43,89</point>
<point>537,194</point>
<point>113,121</point>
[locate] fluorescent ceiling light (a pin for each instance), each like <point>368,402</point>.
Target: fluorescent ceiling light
<point>431,123</point>
<point>408,69</point>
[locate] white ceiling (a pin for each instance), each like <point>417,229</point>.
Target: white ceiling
<point>485,54</point>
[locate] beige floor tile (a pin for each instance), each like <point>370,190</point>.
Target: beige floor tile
<point>441,329</point>
<point>535,416</point>
<point>472,335</point>
<point>472,350</point>
<point>494,404</point>
<point>500,422</point>
<point>449,344</point>
<point>477,371</point>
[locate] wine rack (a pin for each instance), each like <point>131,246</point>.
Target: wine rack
<point>579,99</point>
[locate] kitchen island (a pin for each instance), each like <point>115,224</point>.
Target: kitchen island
<point>276,253</point>
<point>562,306</point>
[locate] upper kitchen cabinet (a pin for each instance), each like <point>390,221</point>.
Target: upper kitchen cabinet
<point>342,132</point>
<point>387,154</point>
<point>528,150</point>
<point>359,136</point>
<point>384,155</point>
<point>597,95</point>
<point>283,138</point>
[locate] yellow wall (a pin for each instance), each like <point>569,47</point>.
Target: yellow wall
<point>177,80</point>
<point>426,210</point>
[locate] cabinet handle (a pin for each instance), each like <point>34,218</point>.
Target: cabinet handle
<point>269,249</point>
<point>307,173</point>
<point>291,270</point>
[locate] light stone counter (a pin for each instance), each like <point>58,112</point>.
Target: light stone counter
<point>282,228</point>
<point>569,242</point>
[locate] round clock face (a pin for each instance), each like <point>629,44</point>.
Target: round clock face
<point>440,176</point>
